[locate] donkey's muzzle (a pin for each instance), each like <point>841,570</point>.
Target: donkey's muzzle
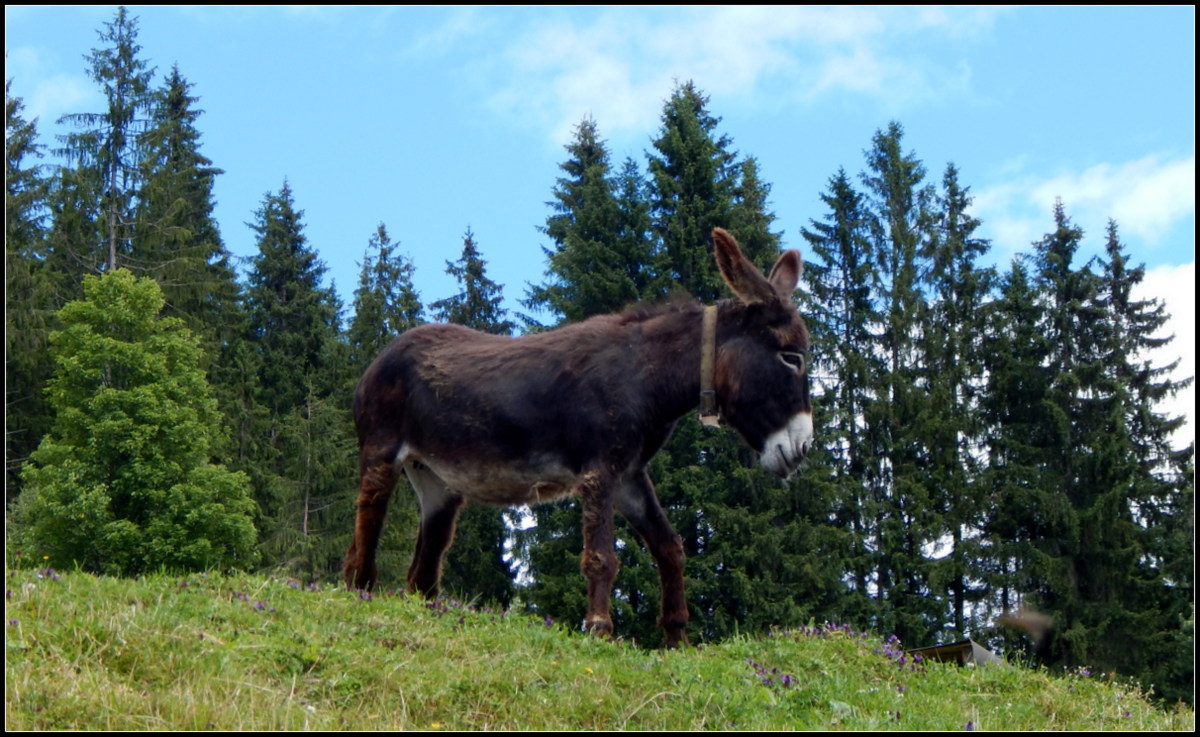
<point>786,448</point>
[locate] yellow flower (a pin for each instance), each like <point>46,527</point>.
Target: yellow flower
<point>588,670</point>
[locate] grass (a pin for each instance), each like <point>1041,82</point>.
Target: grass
<point>203,652</point>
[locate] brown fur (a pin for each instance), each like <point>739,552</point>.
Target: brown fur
<point>579,410</point>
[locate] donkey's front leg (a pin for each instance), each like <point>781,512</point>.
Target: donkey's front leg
<point>599,563</point>
<point>439,512</point>
<point>638,504</point>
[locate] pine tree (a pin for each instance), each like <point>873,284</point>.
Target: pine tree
<point>123,483</point>
<point>475,564</point>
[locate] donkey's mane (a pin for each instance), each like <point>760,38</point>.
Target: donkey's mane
<point>645,311</point>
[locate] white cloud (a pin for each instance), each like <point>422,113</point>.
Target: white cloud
<point>619,65</point>
<point>1176,287</point>
<point>1147,197</point>
<point>51,96</point>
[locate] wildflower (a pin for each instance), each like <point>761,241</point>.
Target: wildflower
<point>970,726</point>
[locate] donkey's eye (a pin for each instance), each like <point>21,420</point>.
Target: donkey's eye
<point>795,361</point>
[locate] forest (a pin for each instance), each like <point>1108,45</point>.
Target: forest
<point>991,446</point>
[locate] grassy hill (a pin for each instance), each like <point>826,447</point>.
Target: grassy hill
<point>254,653</point>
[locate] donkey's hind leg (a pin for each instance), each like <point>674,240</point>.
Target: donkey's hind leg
<point>439,511</point>
<point>377,479</point>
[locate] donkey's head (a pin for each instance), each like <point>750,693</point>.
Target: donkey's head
<point>761,364</point>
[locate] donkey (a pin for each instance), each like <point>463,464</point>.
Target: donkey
<point>579,410</point>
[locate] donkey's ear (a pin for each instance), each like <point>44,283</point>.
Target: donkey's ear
<point>743,277</point>
<point>785,275</point>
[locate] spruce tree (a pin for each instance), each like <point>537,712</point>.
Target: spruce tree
<point>751,543</point>
<point>597,265</point>
<point>296,351</point>
<point>108,145</point>
<point>293,317</point>
<point>692,179</point>
<point>478,305</point>
<point>837,303</point>
<point>385,305</point>
<point>1139,604</point>
<point>951,352</point>
<point>177,240</point>
<point>899,203</point>
<point>475,564</point>
<point>27,319</point>
<point>1022,503</point>
<point>585,271</point>
<point>385,302</point>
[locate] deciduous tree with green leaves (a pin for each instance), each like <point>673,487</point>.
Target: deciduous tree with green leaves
<point>123,483</point>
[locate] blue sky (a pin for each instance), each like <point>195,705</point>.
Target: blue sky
<point>433,120</point>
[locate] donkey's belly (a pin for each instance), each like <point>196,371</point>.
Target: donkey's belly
<point>507,484</point>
